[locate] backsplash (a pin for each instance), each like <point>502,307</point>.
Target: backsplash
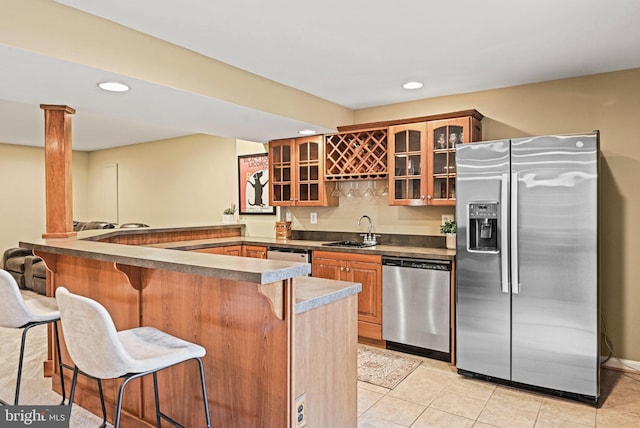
<point>383,239</point>
<point>386,219</point>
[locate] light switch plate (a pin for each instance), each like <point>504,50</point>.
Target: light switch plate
<point>287,216</point>
<point>447,217</point>
<point>313,218</point>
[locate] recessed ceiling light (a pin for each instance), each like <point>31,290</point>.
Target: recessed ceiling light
<point>113,86</point>
<point>412,85</point>
<point>307,132</point>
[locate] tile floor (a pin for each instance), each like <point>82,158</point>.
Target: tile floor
<point>434,395</point>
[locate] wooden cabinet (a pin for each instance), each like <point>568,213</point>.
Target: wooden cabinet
<point>356,155</point>
<point>229,250</point>
<point>422,159</point>
<point>362,268</point>
<point>254,251</point>
<point>296,173</point>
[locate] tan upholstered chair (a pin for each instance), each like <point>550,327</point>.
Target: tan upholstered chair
<point>100,351</point>
<point>16,312</point>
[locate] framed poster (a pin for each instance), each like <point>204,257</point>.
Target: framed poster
<point>253,183</point>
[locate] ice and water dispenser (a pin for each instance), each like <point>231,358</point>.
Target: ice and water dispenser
<point>483,226</point>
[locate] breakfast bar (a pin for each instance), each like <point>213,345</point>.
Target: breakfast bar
<point>273,335</point>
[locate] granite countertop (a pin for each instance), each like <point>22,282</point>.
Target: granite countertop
<point>227,267</point>
<point>312,293</point>
<point>382,249</point>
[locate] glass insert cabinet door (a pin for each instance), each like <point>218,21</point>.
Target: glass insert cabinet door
<point>282,172</point>
<point>443,136</point>
<point>296,176</point>
<point>308,151</point>
<point>408,164</point>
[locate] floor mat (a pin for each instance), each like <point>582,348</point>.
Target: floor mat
<point>383,368</point>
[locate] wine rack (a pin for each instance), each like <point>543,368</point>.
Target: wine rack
<point>358,155</point>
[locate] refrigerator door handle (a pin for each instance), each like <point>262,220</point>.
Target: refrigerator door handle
<point>515,268</point>
<point>504,237</point>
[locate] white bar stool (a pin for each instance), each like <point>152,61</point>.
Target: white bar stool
<point>100,351</point>
<point>16,312</point>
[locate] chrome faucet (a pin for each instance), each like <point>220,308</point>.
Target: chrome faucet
<point>369,237</point>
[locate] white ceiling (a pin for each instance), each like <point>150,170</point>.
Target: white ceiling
<point>356,53</point>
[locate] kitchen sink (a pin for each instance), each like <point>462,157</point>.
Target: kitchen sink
<point>348,244</point>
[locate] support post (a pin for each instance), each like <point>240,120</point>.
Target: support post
<point>58,170</point>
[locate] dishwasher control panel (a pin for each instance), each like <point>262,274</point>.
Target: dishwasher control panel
<point>417,263</point>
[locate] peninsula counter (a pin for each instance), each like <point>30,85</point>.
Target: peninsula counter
<point>272,334</point>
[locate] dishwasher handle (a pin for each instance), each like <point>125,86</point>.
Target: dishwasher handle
<point>428,264</point>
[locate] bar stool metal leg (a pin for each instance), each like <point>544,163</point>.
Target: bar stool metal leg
<point>104,410</point>
<point>60,366</point>
<point>24,338</point>
<point>21,360</point>
<point>204,393</point>
<point>155,393</point>
<point>73,392</point>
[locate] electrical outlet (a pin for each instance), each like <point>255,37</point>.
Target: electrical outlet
<point>287,216</point>
<point>313,218</point>
<point>447,217</point>
<point>301,411</point>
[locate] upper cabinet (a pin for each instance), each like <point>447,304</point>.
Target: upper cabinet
<point>422,160</point>
<point>418,156</point>
<point>408,164</point>
<point>442,137</point>
<point>296,173</point>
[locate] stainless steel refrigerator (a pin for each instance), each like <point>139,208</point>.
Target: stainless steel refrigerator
<point>527,262</point>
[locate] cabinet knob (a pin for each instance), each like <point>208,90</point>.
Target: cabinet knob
<point>422,197</point>
<point>428,197</point>
<point>341,269</point>
<point>348,269</point>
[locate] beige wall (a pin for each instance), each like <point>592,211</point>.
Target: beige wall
<point>184,181</point>
<point>607,102</point>
<point>80,185</point>
<point>22,210</point>
<point>22,193</point>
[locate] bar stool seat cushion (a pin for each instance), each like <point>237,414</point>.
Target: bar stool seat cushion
<point>151,348</point>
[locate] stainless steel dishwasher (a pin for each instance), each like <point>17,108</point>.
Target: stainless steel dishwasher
<point>289,254</point>
<point>416,306</point>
